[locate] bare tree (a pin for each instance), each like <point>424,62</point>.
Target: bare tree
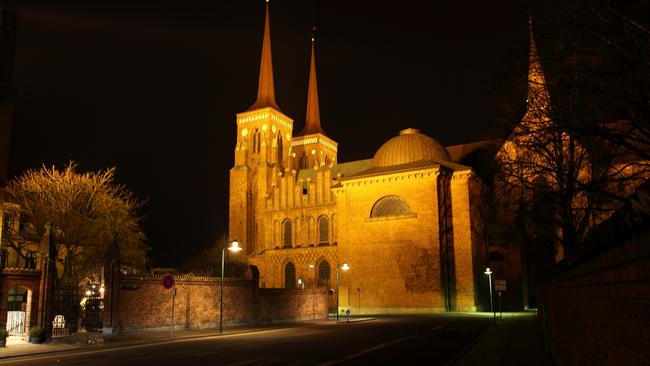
<point>208,261</point>
<point>86,211</point>
<point>562,168</point>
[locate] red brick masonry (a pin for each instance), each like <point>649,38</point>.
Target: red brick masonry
<point>145,304</point>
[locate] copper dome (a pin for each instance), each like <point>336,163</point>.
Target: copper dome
<point>409,146</point>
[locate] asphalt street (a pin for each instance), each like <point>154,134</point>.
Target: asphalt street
<point>404,340</point>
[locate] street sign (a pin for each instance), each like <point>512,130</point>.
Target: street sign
<point>168,281</point>
<point>500,285</point>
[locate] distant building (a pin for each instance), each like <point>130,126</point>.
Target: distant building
<point>404,221</point>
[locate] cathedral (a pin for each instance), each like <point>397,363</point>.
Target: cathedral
<point>395,233</point>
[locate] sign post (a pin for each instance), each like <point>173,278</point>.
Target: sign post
<point>168,283</point>
<point>499,286</point>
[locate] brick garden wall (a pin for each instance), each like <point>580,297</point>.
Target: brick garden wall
<point>280,304</point>
<point>145,304</point>
<point>598,311</point>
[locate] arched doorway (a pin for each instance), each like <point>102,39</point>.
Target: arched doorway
<point>19,306</point>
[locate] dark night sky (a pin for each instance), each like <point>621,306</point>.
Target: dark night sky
<point>153,87</point>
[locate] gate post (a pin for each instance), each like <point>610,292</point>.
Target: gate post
<point>47,255</point>
<point>112,275</point>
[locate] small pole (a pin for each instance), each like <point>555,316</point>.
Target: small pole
<point>500,310</point>
<point>489,273</point>
<point>223,253</point>
<point>337,293</point>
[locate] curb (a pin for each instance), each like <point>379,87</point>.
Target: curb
<point>476,340</point>
<point>118,344</point>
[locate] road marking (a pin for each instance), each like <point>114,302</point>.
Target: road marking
<point>64,354</point>
<point>380,346</point>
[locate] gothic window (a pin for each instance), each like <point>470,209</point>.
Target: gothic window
<point>310,230</point>
<point>256,141</point>
<point>495,257</point>
<point>275,232</point>
<point>323,229</point>
<point>286,234</point>
<point>6,223</point>
<point>4,258</point>
<point>30,260</point>
<point>333,220</point>
<point>390,206</point>
<point>324,271</point>
<point>290,275</point>
<point>327,160</point>
<point>303,161</point>
<point>279,147</point>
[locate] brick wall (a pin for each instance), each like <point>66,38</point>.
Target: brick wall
<point>145,304</point>
<point>598,312</point>
<point>281,304</point>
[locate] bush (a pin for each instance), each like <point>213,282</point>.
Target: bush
<point>36,332</point>
<point>3,334</point>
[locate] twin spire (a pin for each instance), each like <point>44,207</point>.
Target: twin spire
<point>266,90</point>
<point>312,121</point>
<point>537,91</point>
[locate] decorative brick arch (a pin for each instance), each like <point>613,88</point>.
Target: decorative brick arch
<point>28,279</point>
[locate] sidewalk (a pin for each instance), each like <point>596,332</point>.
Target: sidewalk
<point>515,340</point>
<point>18,348</point>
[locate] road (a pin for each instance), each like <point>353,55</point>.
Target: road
<point>412,340</point>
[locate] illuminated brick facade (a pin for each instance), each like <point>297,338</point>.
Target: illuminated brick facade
<point>403,220</point>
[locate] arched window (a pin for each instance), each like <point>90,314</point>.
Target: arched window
<point>303,161</point>
<point>333,220</point>
<point>323,230</point>
<point>289,275</point>
<point>310,231</point>
<point>256,141</point>
<point>324,271</point>
<point>276,232</point>
<point>390,206</point>
<point>4,258</point>
<point>30,260</point>
<point>286,234</point>
<point>279,147</point>
<point>495,257</point>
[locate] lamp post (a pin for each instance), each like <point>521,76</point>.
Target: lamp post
<point>344,267</point>
<point>488,272</point>
<point>234,247</point>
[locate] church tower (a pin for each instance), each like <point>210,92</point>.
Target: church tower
<point>262,154</point>
<point>311,147</point>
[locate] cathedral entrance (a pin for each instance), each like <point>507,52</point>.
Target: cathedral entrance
<point>18,308</point>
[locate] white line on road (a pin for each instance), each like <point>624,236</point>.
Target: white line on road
<point>380,346</point>
<point>64,354</point>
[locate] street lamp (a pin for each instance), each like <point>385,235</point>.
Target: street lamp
<point>488,272</point>
<point>234,247</point>
<point>344,267</point>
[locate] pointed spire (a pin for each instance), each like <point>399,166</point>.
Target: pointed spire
<point>265,90</point>
<point>536,82</point>
<point>312,120</point>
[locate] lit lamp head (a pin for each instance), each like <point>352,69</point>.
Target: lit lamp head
<point>234,246</point>
<point>488,271</point>
<point>345,267</point>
